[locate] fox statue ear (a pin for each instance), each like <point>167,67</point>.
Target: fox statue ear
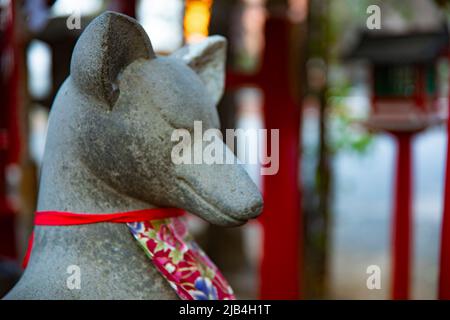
<point>207,59</point>
<point>108,44</point>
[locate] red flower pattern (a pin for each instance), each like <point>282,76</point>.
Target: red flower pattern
<point>180,260</point>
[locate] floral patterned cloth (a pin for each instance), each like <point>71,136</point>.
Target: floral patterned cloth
<point>180,260</point>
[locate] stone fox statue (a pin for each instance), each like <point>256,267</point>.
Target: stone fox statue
<point>109,150</point>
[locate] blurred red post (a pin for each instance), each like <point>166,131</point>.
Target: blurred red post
<point>280,268</point>
<point>9,132</point>
<point>281,218</point>
<point>444,268</point>
<point>127,7</point>
<point>402,218</point>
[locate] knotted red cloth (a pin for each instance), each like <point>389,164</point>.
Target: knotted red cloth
<point>58,218</point>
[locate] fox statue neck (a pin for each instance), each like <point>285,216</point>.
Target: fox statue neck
<point>68,185</point>
<point>101,250</point>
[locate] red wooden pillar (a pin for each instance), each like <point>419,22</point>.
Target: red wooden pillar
<point>280,268</point>
<point>402,218</point>
<point>444,267</point>
<point>403,215</point>
<point>127,7</point>
<point>9,133</point>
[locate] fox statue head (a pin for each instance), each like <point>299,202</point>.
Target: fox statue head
<point>125,104</point>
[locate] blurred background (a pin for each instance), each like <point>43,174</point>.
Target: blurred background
<point>359,91</point>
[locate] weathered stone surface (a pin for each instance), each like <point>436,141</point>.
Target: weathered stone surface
<point>108,150</point>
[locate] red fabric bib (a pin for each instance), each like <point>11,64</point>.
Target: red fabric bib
<point>164,237</point>
<point>59,218</point>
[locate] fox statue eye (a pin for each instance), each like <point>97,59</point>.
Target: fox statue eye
<point>207,59</point>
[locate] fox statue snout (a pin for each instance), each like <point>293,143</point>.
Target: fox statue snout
<point>133,103</point>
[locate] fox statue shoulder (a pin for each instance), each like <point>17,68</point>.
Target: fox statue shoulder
<point>109,150</point>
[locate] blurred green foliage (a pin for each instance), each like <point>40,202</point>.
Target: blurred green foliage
<point>346,132</point>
